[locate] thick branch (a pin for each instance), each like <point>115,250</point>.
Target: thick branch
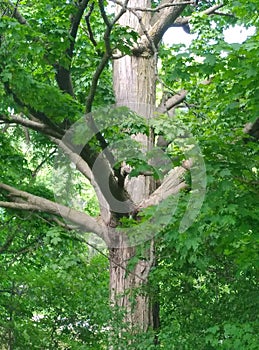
<point>105,190</point>
<point>37,114</point>
<point>167,12</point>
<point>63,76</point>
<point>111,196</point>
<point>84,168</point>
<point>75,158</point>
<point>172,101</point>
<point>163,20</point>
<point>171,185</point>
<point>37,126</point>
<point>63,79</point>
<point>76,19</point>
<point>26,201</point>
<point>252,129</point>
<point>166,17</point>
<point>16,14</point>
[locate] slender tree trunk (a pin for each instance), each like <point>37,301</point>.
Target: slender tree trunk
<point>134,80</point>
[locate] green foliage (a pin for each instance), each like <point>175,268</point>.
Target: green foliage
<point>53,290</point>
<point>46,289</point>
<point>12,161</point>
<point>123,38</point>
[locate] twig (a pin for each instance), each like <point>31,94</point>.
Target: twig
<point>87,20</point>
<point>34,173</point>
<point>104,15</point>
<point>145,31</point>
<point>82,239</point>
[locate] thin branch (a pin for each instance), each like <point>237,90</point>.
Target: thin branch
<point>95,79</point>
<point>122,11</point>
<point>104,15</point>
<point>149,39</point>
<point>103,63</point>
<point>34,173</point>
<point>80,238</point>
<point>28,248</point>
<point>100,68</point>
<point>210,11</point>
<point>88,24</point>
<point>7,243</point>
<point>248,182</point>
<point>75,21</point>
<point>224,14</point>
<point>107,55</point>
<point>156,9</point>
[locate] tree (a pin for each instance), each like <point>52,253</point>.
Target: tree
<point>61,69</point>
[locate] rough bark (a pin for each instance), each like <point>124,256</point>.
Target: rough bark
<point>124,284</point>
<point>134,81</point>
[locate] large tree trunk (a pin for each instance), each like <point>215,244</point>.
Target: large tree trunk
<point>134,86</point>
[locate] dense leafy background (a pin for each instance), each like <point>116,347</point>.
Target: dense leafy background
<point>53,287</point>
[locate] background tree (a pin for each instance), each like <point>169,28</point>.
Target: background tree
<point>56,67</point>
